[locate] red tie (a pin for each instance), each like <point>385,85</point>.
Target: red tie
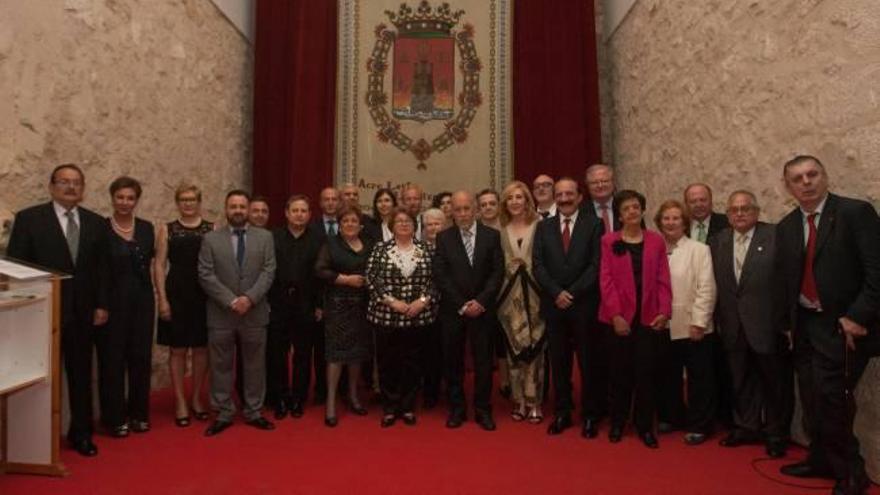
<point>605,219</point>
<point>808,282</point>
<point>566,235</point>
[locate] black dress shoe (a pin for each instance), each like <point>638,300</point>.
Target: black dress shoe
<point>261,423</point>
<point>694,438</point>
<point>388,420</point>
<point>280,410</point>
<point>776,448</point>
<point>857,485</point>
<point>615,434</point>
<point>409,419</point>
<point>140,426</point>
<point>296,410</point>
<point>804,470</point>
<point>84,447</point>
<point>330,421</point>
<point>590,428</point>
<point>455,420</point>
<point>559,424</point>
<point>217,427</point>
<point>485,421</point>
<point>649,440</point>
<point>120,431</point>
<point>737,438</point>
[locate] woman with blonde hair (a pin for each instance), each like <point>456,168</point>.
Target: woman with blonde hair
<point>519,303</point>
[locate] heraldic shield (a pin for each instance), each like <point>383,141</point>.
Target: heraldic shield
<point>424,73</point>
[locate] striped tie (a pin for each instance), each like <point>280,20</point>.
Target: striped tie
<point>72,235</point>
<point>468,238</point>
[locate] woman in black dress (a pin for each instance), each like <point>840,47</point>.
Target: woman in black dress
<point>341,264</point>
<point>181,301</point>
<point>126,344</point>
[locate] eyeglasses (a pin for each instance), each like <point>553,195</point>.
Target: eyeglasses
<point>741,210</point>
<point>187,200</point>
<point>599,182</point>
<point>68,183</point>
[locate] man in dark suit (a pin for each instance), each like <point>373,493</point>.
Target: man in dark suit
<point>828,253</point>
<point>468,268</point>
<point>756,348</point>
<point>566,265</point>
<point>705,224</point>
<point>61,235</point>
<point>599,178</point>
<point>236,268</point>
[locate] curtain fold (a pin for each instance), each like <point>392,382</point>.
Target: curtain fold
<point>555,88</point>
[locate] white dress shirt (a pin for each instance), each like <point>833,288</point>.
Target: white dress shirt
<point>61,213</point>
<point>597,207</point>
<point>695,224</point>
<point>572,220</point>
<point>803,301</point>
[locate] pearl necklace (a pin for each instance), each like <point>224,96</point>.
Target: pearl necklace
<point>119,228</point>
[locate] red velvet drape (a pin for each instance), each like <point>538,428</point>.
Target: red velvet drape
<point>555,94</point>
<point>294,100</point>
<point>555,88</point>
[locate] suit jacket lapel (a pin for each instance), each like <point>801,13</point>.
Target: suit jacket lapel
<point>459,246</point>
<point>726,260</point>
<point>826,223</point>
<point>578,233</point>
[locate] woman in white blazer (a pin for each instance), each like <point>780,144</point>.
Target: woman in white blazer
<point>690,329</point>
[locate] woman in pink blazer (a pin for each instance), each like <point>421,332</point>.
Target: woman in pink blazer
<point>636,300</point>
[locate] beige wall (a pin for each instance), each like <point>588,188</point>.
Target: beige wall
<point>157,90</point>
<point>725,91</point>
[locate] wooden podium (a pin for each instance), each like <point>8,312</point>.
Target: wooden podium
<point>30,369</point>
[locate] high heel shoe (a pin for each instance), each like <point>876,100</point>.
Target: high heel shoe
<point>330,421</point>
<point>182,422</point>
<point>200,415</point>
<point>535,416</point>
<point>357,408</point>
<point>409,419</point>
<point>388,420</point>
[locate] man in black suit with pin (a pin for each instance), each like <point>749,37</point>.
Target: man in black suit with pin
<point>829,256</point>
<point>565,258</point>
<point>469,269</point>
<point>63,236</point>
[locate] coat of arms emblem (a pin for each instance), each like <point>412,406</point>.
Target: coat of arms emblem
<point>423,78</point>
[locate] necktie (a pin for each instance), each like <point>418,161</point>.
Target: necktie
<point>331,227</point>
<point>566,235</point>
<point>739,254</point>
<point>701,232</point>
<point>239,251</point>
<point>808,282</point>
<point>72,235</point>
<point>468,237</point>
<point>606,218</point>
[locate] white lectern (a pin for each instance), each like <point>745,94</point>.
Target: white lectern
<point>30,374</point>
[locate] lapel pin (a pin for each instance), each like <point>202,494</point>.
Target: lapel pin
<point>760,248</point>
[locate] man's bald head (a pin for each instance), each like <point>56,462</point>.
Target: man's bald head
<point>463,209</point>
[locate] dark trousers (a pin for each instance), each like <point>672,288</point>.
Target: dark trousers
<point>125,347</point>
<point>397,351</point>
<point>277,362</point>
<point>697,358</point>
<point>304,334</point>
<point>320,363</point>
<point>432,360</point>
<point>820,362</point>
<point>724,386</point>
<point>634,372</point>
<point>569,334</point>
<point>77,342</point>
<point>764,388</point>
<point>479,331</point>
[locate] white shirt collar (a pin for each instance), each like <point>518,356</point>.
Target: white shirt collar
<point>573,217</point>
<point>598,207</point>
<point>750,234</point>
<point>818,209</point>
<point>472,229</point>
<point>60,210</point>
<point>233,229</point>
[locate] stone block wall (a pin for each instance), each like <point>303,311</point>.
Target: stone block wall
<point>157,90</point>
<point>725,91</point>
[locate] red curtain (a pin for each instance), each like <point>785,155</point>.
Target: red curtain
<point>555,88</point>
<point>555,94</point>
<point>294,100</point>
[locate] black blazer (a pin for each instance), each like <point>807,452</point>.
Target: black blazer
<point>576,271</point>
<point>460,282</point>
<point>588,207</point>
<point>751,303</point>
<point>37,237</point>
<point>846,264</point>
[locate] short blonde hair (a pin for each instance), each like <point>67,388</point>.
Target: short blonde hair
<point>668,205</point>
<point>186,187</point>
<point>509,189</point>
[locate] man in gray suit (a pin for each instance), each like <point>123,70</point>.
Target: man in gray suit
<point>757,350</point>
<point>236,268</point>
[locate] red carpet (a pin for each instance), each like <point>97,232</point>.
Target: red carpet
<point>304,457</point>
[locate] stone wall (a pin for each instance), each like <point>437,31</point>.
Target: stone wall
<point>724,91</point>
<point>157,90</point>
